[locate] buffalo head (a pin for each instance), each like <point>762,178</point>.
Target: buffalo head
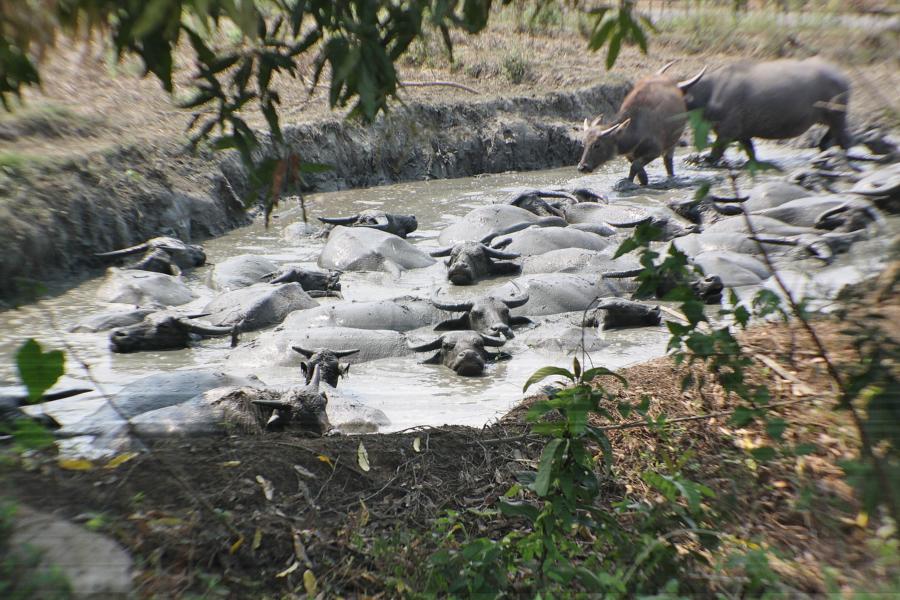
<point>462,351</point>
<point>161,331</point>
<point>487,314</point>
<point>469,262</point>
<point>325,360</point>
<point>601,143</point>
<point>184,256</point>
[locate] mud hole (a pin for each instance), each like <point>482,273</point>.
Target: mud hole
<point>191,509</point>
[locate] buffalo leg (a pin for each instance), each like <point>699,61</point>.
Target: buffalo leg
<point>637,168</point>
<point>747,145</point>
<point>668,160</point>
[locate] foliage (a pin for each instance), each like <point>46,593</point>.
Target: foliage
<point>569,541</point>
<point>357,42</point>
<point>39,371</point>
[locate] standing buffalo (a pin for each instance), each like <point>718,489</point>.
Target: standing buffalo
<point>772,100</point>
<point>647,126</point>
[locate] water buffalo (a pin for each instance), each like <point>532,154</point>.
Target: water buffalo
<point>538,240</point>
<point>534,201</point>
<point>647,126</point>
<point>12,401</point>
<point>110,320</point>
<point>161,331</point>
<point>399,225</point>
<point>470,262</point>
<point>619,313</point>
<point>301,405</point>
<point>487,222</point>
<point>399,314</point>
<point>327,361</point>
<point>315,282</point>
<point>258,306</point>
<point>367,249</point>
<point>462,351</point>
<point>554,293</point>
<point>577,261</point>
<point>772,100</point>
<point>487,314</point>
<point>143,288</point>
<point>159,249</point>
<point>240,271</point>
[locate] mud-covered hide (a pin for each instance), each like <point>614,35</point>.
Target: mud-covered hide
<point>625,215</point>
<point>258,306</point>
<point>564,334</point>
<point>161,254</point>
<point>163,330</point>
<point>240,271</point>
<point>299,232</point>
<point>816,246</point>
<point>772,194</point>
<point>274,348</point>
<point>366,249</point>
<point>733,268</point>
<point>462,351</point>
<point>493,220</point>
<point>399,225</point>
<point>470,262</point>
<point>396,314</point>
<point>833,212</point>
<point>761,224</point>
<point>578,261</point>
<point>540,240</point>
<point>151,393</point>
<point>619,313</point>
<point>143,288</point>
<point>882,186</point>
<point>553,293</point>
<point>110,319</point>
<point>312,280</point>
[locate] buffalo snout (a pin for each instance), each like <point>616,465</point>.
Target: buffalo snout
<point>468,363</point>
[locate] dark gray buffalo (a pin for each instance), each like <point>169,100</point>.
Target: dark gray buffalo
<point>470,262</point>
<point>401,225</point>
<point>315,282</point>
<point>647,126</point>
<point>462,351</point>
<point>772,100</point>
<point>162,255</point>
<point>326,360</point>
<point>161,331</point>
<point>487,314</point>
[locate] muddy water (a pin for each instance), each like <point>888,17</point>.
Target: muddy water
<point>409,393</point>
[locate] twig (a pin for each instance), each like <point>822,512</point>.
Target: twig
<point>723,413</point>
<point>452,84</point>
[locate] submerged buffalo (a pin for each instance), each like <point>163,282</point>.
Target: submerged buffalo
<point>470,262</point>
<point>462,351</point>
<point>11,403</point>
<point>619,313</point>
<point>163,255</point>
<point>143,288</point>
<point>304,406</point>
<point>162,331</point>
<point>647,126</point>
<point>367,249</point>
<point>400,225</point>
<point>487,222</point>
<point>315,282</point>
<point>772,100</point>
<point>325,360</point>
<point>487,314</point>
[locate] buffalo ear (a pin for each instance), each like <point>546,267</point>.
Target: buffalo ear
<point>304,368</point>
<point>345,369</point>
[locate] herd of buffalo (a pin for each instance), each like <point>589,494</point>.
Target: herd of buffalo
<point>553,251</point>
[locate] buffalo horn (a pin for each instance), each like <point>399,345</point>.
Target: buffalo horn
<point>49,397</point>
<point>339,220</point>
<point>622,274</point>
<point>687,83</point>
<point>448,306</point>
<point>586,125</point>
<point>316,377</point>
<point>124,251</point>
<point>635,223</point>
<point>432,345</point>
<point>272,404</point>
<point>492,341</point>
<point>345,353</point>
<point>441,252</point>
<point>618,126</point>
<point>303,351</point>
<point>499,254</point>
<point>665,67</point>
<point>205,329</point>
<point>516,301</point>
<point>597,120</point>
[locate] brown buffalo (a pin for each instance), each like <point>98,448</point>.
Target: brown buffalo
<point>647,126</point>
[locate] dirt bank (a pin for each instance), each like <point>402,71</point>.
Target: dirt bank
<point>55,215</point>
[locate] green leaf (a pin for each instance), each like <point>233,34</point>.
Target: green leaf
<point>545,372</point>
<point>775,427</point>
<point>512,508</point>
<point>612,53</point>
<point>763,453</point>
<point>39,370</point>
<point>595,372</point>
<point>701,128</point>
<point>546,471</point>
